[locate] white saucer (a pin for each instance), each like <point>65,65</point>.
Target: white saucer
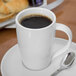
<point>11,64</point>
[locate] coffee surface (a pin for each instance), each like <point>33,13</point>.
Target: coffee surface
<point>35,21</point>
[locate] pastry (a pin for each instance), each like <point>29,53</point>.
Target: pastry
<point>3,8</point>
<point>16,6</point>
<point>6,17</point>
<point>9,8</point>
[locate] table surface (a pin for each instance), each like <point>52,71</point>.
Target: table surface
<point>65,13</point>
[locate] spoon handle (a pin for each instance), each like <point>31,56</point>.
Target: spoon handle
<point>56,72</point>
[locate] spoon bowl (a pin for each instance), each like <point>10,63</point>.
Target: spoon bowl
<point>66,62</point>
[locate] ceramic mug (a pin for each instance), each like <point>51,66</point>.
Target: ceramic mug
<point>36,44</point>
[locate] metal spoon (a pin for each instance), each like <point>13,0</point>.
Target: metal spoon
<point>66,62</point>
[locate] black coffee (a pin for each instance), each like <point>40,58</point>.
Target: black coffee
<point>35,21</point>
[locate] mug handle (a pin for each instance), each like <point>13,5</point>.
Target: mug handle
<point>53,4</point>
<point>67,30</point>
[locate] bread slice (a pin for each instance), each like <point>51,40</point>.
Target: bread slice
<point>4,17</point>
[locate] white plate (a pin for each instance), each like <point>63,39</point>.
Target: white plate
<point>49,6</point>
<point>11,64</point>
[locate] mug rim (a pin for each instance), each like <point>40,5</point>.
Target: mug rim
<point>33,8</point>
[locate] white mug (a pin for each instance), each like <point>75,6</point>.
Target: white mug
<point>36,44</point>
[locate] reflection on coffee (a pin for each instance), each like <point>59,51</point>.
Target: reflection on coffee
<point>35,21</point>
